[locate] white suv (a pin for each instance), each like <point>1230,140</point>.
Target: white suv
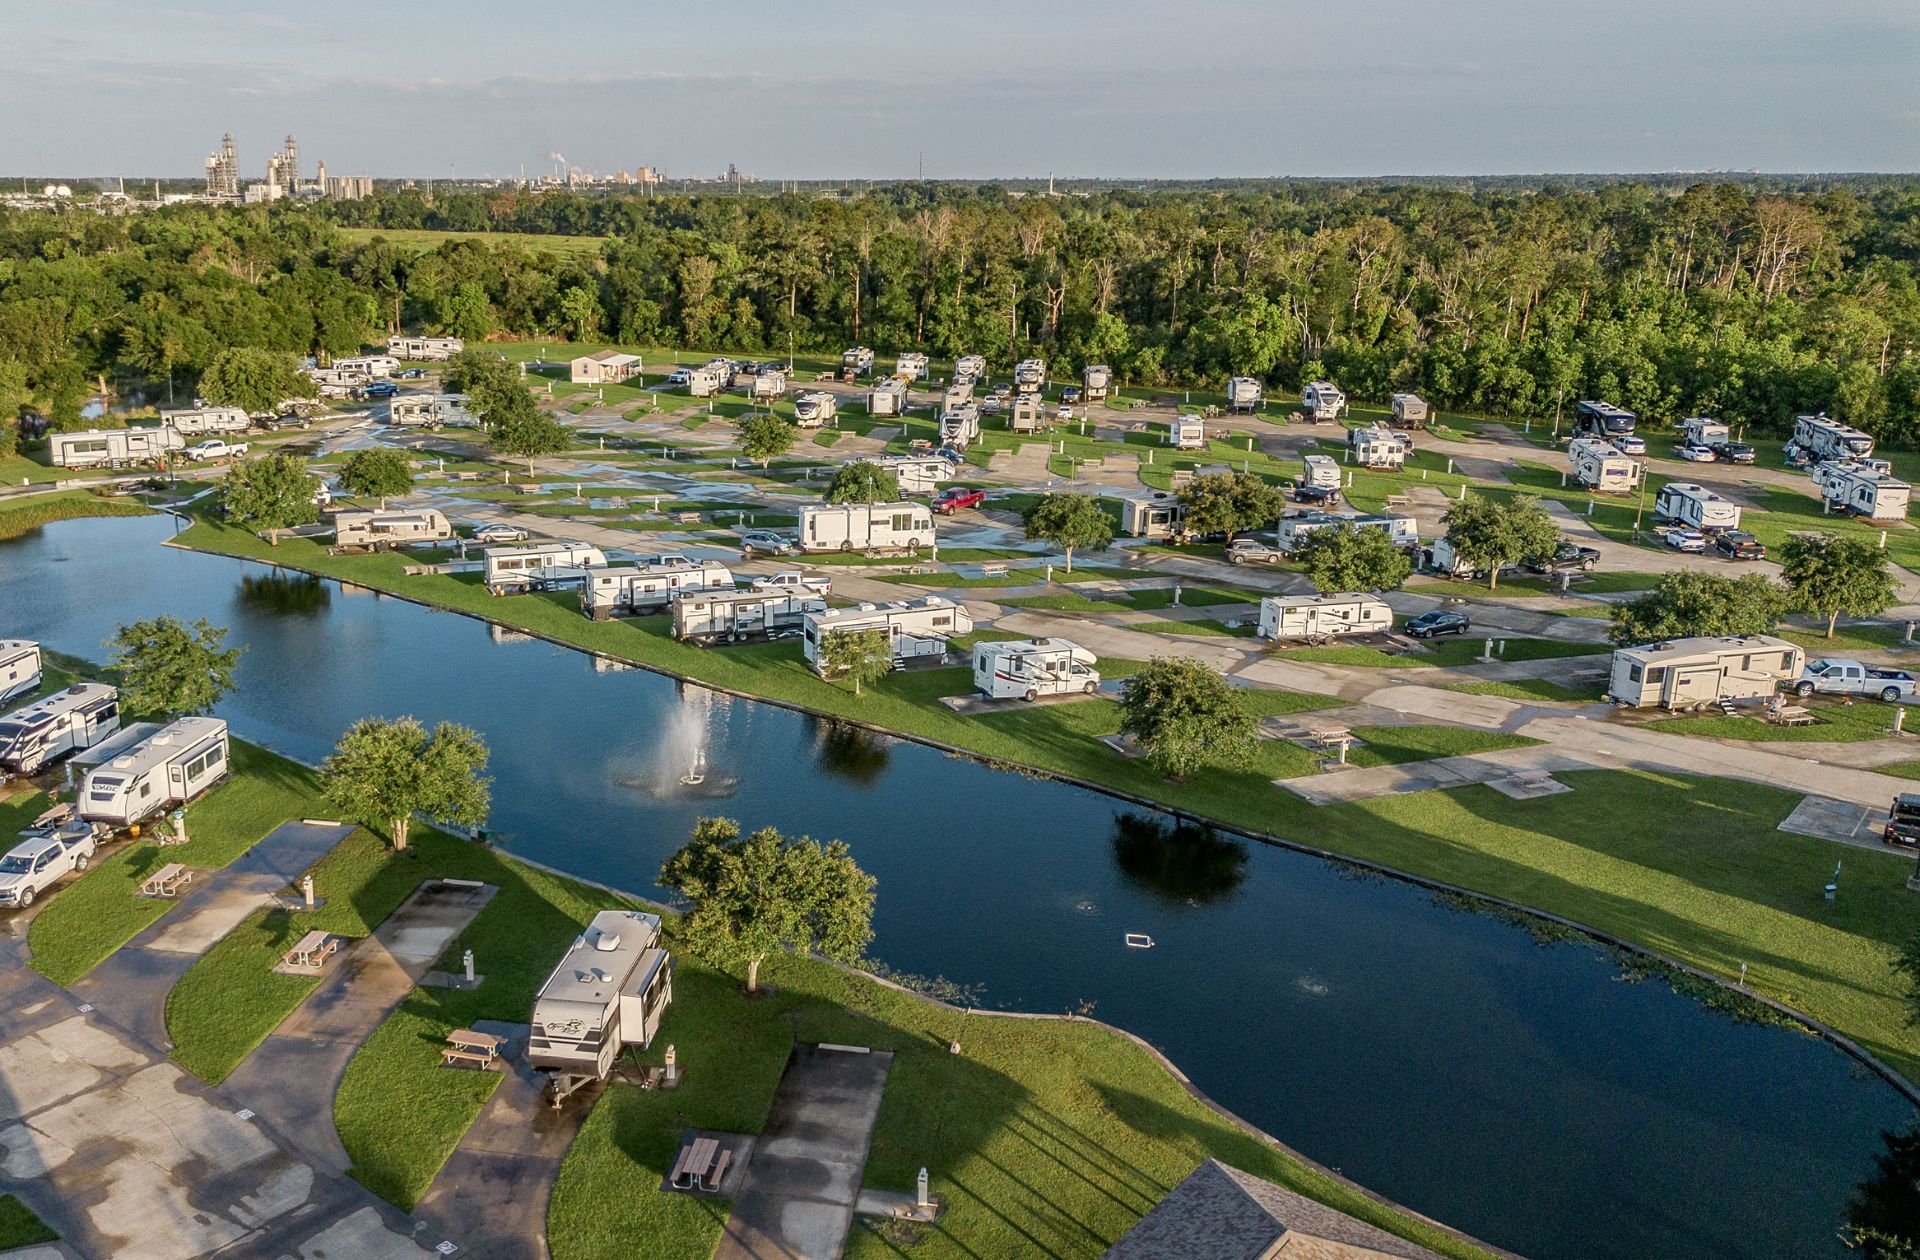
<point>31,868</point>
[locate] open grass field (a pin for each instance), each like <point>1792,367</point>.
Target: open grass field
<point>420,240</point>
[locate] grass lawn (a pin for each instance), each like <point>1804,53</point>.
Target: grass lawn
<point>1198,629</point>
<point>1454,652</point>
<point>1870,637</point>
<point>1395,745</point>
<point>1527,689</point>
<point>62,505</point>
<point>1839,723</point>
<point>20,1226</point>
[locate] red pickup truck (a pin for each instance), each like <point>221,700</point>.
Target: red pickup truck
<point>953,498</point>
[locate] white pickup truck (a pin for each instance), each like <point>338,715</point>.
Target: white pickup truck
<point>1839,677</point>
<point>215,448</point>
<point>794,582</point>
<point>32,867</point>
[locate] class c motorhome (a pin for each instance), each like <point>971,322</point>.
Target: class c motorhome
<point>19,667</point>
<point>1598,465</point>
<point>865,526</point>
<point>814,408</point>
<point>538,566</point>
<point>381,531</point>
<point>113,448</point>
<point>1244,394</point>
<point>1323,616</point>
<point>433,349</point>
<point>1187,433</point>
<point>915,628</point>
<point>1096,380</point>
<point>58,726</point>
<point>1695,506</point>
<point>1323,401</point>
<point>168,768</point>
<point>1410,411</point>
<point>635,590</point>
<point>1027,669</point>
<point>1690,673</point>
<point>610,991</point>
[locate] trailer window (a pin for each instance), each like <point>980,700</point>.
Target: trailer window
<point>1633,672</point>
<point>1655,674</point>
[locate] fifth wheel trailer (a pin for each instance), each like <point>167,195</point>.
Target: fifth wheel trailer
<point>1318,616</point>
<point>1029,376</point>
<point>1690,673</point>
<point>1599,465</point>
<point>19,667</point>
<point>58,726</point>
<point>1187,433</point>
<point>168,768</point>
<point>1243,394</point>
<point>114,448</point>
<point>511,569</point>
<point>1695,506</point>
<point>1819,437</point>
<point>1096,379</point>
<point>865,526</point>
<point>649,588</point>
<point>610,991</point>
<point>1323,401</point>
<point>434,349</point>
<point>1864,491</point>
<point>814,408</point>
<point>855,363</point>
<point>886,398</point>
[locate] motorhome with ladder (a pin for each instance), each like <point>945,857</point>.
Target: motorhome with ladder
<point>1096,380</point>
<point>1186,433</point>
<point>1602,420</point>
<point>769,384</point>
<point>57,727</point>
<point>539,566</point>
<point>19,668</point>
<point>1410,411</point>
<point>1695,506</point>
<point>911,366</point>
<point>431,349</point>
<point>1377,447</point>
<point>1320,472</point>
<point>1816,438</point>
<point>113,448</point>
<point>382,531</point>
<point>610,992</point>
<point>1323,401</point>
<point>918,474</point>
<point>1293,530</point>
<point>1865,491</point>
<point>865,526</point>
<point>915,628</point>
<point>1244,394</point>
<point>171,767</point>
<point>886,398</point>
<point>1029,376</point>
<point>635,590</point>
<point>713,616</point>
<point>208,421</point>
<point>960,428</point>
<point>1025,416</point>
<point>1691,673</point>
<point>1150,514</point>
<point>1598,465</point>
<point>1027,669</point>
<point>814,408</point>
<point>1323,616</point>
<point>428,411</point>
<point>374,366</point>
<point>856,363</point>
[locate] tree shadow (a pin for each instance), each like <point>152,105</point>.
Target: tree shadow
<point>1178,861</point>
<point>1888,1203</point>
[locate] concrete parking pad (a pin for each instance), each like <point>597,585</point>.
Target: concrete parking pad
<point>1825,818</point>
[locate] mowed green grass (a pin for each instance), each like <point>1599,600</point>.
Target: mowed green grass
<point>43,509</point>
<point>21,1226</point>
<point>1838,723</point>
<point>420,240</point>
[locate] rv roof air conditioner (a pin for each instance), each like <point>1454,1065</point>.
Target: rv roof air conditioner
<point>607,942</point>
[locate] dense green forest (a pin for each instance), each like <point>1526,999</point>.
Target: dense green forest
<point>1718,298</point>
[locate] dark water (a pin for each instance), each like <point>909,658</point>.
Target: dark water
<point>1516,1090</point>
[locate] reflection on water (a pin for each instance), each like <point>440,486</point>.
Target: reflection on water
<point>290,594</point>
<point>676,766</point>
<point>1177,860</point>
<point>852,753</point>
<point>1885,1211</point>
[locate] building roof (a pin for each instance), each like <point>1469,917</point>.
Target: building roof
<point>1675,649</point>
<point>1225,1214</point>
<point>608,356</point>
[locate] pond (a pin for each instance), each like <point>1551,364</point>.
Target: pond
<point>1517,1090</point>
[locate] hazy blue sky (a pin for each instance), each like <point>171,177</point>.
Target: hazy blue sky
<point>850,88</point>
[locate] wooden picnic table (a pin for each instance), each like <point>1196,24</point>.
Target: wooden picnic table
<point>313,950</point>
<point>1791,715</point>
<point>695,1163</point>
<point>167,881</point>
<point>467,1047</point>
<point>994,568</point>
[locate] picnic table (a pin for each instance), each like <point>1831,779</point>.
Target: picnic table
<point>167,881</point>
<point>313,950</point>
<point>994,568</point>
<point>701,1165</point>
<point>1791,715</point>
<point>465,1046</point>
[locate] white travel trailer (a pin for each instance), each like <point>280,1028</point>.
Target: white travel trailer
<point>911,366</point>
<point>57,727</point>
<point>381,531</point>
<point>1818,437</point>
<point>1096,381</point>
<point>1244,393</point>
<point>19,667</point>
<point>1410,411</point>
<point>769,384</point>
<point>113,448</point>
<point>1599,465</point>
<point>1704,431</point>
<point>1689,673</point>
<point>970,368</point>
<point>1320,472</point>
<point>1151,514</point>
<point>709,616</point>
<point>865,526</point>
<point>705,382</point>
<point>1377,447</point>
<point>916,628</point>
<point>1187,433</point>
<point>428,411</point>
<point>1025,415</point>
<point>856,363</point>
<point>1695,506</point>
<point>334,383</point>
<point>369,365</point>
<point>512,569</point>
<point>1866,491</point>
<point>632,590</point>
<point>171,767</point>
<point>959,394</point>
<point>203,421</point>
<point>1026,669</point>
<point>886,398</point>
<point>434,349</point>
<point>610,991</point>
<point>918,474</point>
<point>814,408</point>
<point>1293,530</point>
<point>1322,401</point>
<point>1323,616</point>
<point>960,428</point>
<point>1029,376</point>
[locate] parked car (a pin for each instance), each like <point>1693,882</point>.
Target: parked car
<point>413,374</point>
<point>954,498</point>
<point>991,405</point>
<point>1738,544</point>
<point>1251,551</point>
<point>794,581</point>
<point>1691,541</point>
<point>679,376</point>
<point>1438,622</point>
<point>1071,394</point>
<point>1693,453</point>
<point>379,389</point>
<point>1322,496</point>
<point>766,540</point>
<point>1903,821</point>
<point>215,448</point>
<point>1064,415</point>
<point>31,867</point>
<point>499,533</point>
<point>1631,444</point>
<point>1733,452</point>
<point>1837,676</point>
<point>1568,555</point>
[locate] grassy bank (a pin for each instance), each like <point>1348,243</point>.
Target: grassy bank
<point>21,1226</point>
<point>63,505</point>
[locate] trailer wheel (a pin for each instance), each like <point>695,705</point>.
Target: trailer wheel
<point>913,544</point>
<point>1890,694</point>
<point>1803,689</point>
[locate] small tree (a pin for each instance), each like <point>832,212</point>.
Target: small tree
<point>518,428</point>
<point>1070,522</point>
<point>766,437</point>
<point>865,656</point>
<point>1830,574</point>
<point>270,493</point>
<point>170,668</point>
<point>253,380</point>
<point>763,893</point>
<point>1225,503</point>
<point>385,772</point>
<point>1688,603</point>
<point>1493,535</point>
<point>378,472</point>
<point>1183,714</point>
<point>1348,558</point>
<point>863,481</point>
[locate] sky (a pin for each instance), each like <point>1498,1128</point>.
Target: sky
<point>852,89</point>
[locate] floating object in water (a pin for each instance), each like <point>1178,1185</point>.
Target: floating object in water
<point>1085,907</point>
<point>1313,987</point>
<point>697,775</point>
<point>1139,940</point>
